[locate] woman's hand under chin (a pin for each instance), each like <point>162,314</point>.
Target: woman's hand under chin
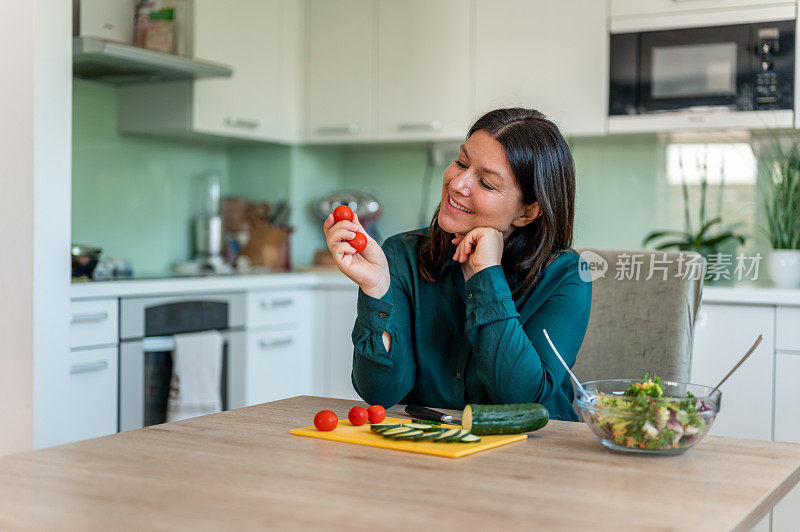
<point>481,248</point>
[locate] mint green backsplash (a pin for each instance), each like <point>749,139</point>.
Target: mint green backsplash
<point>133,196</point>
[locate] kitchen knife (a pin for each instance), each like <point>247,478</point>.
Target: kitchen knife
<point>420,412</point>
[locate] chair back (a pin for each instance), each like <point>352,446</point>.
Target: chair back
<point>643,315</point>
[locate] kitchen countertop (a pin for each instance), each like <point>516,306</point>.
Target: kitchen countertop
<point>243,470</point>
<point>751,295</point>
<point>210,283</point>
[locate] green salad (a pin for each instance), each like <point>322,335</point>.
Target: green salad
<point>646,419</point>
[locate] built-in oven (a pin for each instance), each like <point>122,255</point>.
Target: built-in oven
<point>742,67</point>
<point>147,326</point>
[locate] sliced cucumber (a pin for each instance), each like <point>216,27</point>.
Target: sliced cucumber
<point>444,436</point>
<point>428,435</point>
<point>425,421</point>
<point>458,435</point>
<point>418,426</point>
<point>405,435</point>
<point>379,427</point>
<point>470,438</point>
<point>394,432</point>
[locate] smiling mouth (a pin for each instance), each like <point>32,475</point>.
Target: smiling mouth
<point>457,206</point>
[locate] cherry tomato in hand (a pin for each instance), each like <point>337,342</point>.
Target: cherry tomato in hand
<point>358,415</point>
<point>325,420</point>
<point>376,413</point>
<point>359,243</point>
<point>342,212</point>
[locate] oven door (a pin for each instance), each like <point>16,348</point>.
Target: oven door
<point>145,371</point>
<point>696,68</point>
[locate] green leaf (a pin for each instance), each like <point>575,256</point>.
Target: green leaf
<point>658,234</point>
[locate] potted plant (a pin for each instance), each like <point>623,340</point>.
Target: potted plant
<point>711,236</point>
<point>782,209</point>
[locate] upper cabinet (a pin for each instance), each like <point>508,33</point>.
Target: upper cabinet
<point>526,57</point>
<point>261,41</point>
<point>339,69</point>
<point>623,8</point>
<point>424,65</point>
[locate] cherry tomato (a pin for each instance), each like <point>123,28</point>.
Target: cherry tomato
<point>359,242</point>
<point>376,413</point>
<point>342,212</point>
<point>358,415</point>
<point>325,420</point>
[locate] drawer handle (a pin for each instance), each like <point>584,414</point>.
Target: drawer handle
<point>421,126</point>
<point>89,317</point>
<point>350,129</point>
<point>266,303</point>
<point>246,123</point>
<point>88,366</point>
<point>276,343</point>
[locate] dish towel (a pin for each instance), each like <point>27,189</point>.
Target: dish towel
<point>196,373</point>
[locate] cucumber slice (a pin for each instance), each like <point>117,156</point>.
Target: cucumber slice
<point>470,438</point>
<point>379,427</point>
<point>395,431</point>
<point>425,421</point>
<point>446,434</point>
<point>418,426</point>
<point>405,435</point>
<point>428,435</point>
<point>458,435</point>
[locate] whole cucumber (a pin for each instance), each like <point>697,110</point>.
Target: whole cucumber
<point>504,419</point>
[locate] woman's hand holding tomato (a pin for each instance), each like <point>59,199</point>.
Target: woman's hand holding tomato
<point>368,268</point>
<point>479,249</point>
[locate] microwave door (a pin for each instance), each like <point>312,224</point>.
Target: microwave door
<point>696,68</point>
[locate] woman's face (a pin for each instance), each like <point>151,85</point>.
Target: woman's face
<point>482,186</point>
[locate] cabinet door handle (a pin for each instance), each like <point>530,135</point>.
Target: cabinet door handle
<point>89,317</point>
<point>280,342</point>
<point>350,129</point>
<point>266,303</point>
<point>88,366</point>
<point>421,126</point>
<point>246,123</point>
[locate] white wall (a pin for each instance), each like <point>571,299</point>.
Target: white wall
<point>35,106</point>
<point>16,227</point>
<point>52,151</point>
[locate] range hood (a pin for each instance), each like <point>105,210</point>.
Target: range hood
<point>118,63</point>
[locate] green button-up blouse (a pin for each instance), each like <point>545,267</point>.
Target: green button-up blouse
<point>455,343</point>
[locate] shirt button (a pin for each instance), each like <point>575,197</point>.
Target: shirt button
<point>458,375</point>
<point>382,315</point>
<point>469,296</point>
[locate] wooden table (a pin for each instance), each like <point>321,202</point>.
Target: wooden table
<point>242,470</point>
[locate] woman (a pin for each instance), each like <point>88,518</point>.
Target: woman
<point>454,314</point>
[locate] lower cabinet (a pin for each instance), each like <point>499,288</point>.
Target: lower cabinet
<point>723,333</point>
<point>92,396</point>
<point>786,515</point>
<point>277,365</point>
<point>335,314</point>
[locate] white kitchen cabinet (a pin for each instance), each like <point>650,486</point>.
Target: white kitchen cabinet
<point>340,46</point>
<point>525,57</point>
<point>423,68</point>
<point>278,365</point>
<point>786,514</point>
<point>278,308</point>
<point>261,40</point>
<point>334,318</point>
<point>92,395</point>
<point>93,323</point>
<point>621,8</point>
<point>722,335</point>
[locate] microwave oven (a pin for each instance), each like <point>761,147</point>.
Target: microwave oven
<point>742,67</point>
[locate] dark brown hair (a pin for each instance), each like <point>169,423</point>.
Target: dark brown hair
<point>544,170</point>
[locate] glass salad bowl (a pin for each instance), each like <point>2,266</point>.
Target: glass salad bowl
<point>648,416</point>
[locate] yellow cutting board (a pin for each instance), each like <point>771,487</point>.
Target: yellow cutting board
<point>364,436</point>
